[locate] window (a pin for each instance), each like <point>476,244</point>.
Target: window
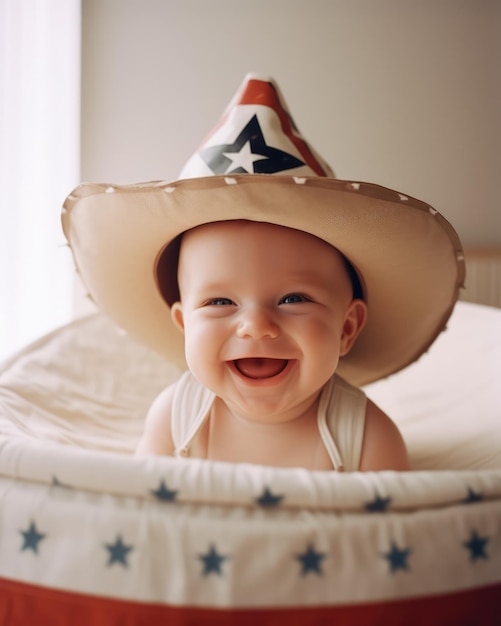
<point>39,163</point>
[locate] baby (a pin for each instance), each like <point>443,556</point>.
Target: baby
<point>291,288</point>
<point>266,312</point>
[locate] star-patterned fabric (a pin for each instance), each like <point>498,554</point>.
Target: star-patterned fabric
<point>221,537</point>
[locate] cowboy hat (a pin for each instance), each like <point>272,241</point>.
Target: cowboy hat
<point>255,165</point>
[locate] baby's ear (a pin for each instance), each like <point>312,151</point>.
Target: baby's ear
<point>176,313</point>
<point>354,321</point>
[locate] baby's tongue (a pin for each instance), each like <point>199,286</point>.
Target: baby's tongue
<point>260,368</point>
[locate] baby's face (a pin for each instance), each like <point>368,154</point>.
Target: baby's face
<point>266,311</point>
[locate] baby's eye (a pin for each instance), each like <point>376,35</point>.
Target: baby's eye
<point>220,302</point>
<point>294,298</point>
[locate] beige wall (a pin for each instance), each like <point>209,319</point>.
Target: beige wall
<point>405,93</point>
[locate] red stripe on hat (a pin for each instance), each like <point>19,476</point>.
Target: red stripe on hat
<point>259,92</point>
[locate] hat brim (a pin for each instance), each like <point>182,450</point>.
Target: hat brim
<point>410,258</point>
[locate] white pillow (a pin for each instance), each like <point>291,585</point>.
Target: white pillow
<point>448,403</point>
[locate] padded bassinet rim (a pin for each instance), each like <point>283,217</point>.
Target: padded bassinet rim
<point>170,529</point>
<point>209,482</point>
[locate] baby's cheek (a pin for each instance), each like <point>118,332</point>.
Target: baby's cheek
<point>200,350</point>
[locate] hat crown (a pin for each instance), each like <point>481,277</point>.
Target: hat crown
<point>256,135</point>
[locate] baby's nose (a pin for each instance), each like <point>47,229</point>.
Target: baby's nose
<point>257,323</point>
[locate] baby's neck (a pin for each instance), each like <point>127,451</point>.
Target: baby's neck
<point>289,443</point>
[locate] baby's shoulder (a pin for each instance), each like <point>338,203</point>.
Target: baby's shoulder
<point>383,447</point>
<point>157,438</point>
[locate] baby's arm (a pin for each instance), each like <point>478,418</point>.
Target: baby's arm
<point>157,438</point>
<point>383,447</point>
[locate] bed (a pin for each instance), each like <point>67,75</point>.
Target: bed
<point>91,535</point>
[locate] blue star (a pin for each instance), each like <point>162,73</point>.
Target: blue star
<point>397,558</point>
<point>272,160</point>
<point>476,545</point>
<point>118,552</point>
<point>311,561</point>
<point>164,493</point>
<point>378,505</point>
<point>212,561</point>
<point>473,496</point>
<point>31,538</point>
<point>268,500</point>
<point>57,483</point>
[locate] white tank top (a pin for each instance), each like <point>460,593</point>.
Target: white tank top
<point>340,418</point>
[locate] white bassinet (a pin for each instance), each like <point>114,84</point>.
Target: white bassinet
<point>90,535</point>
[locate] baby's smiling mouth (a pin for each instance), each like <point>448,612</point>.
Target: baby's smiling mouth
<point>259,368</point>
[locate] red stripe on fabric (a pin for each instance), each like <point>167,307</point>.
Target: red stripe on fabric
<point>260,92</point>
<point>22,604</point>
